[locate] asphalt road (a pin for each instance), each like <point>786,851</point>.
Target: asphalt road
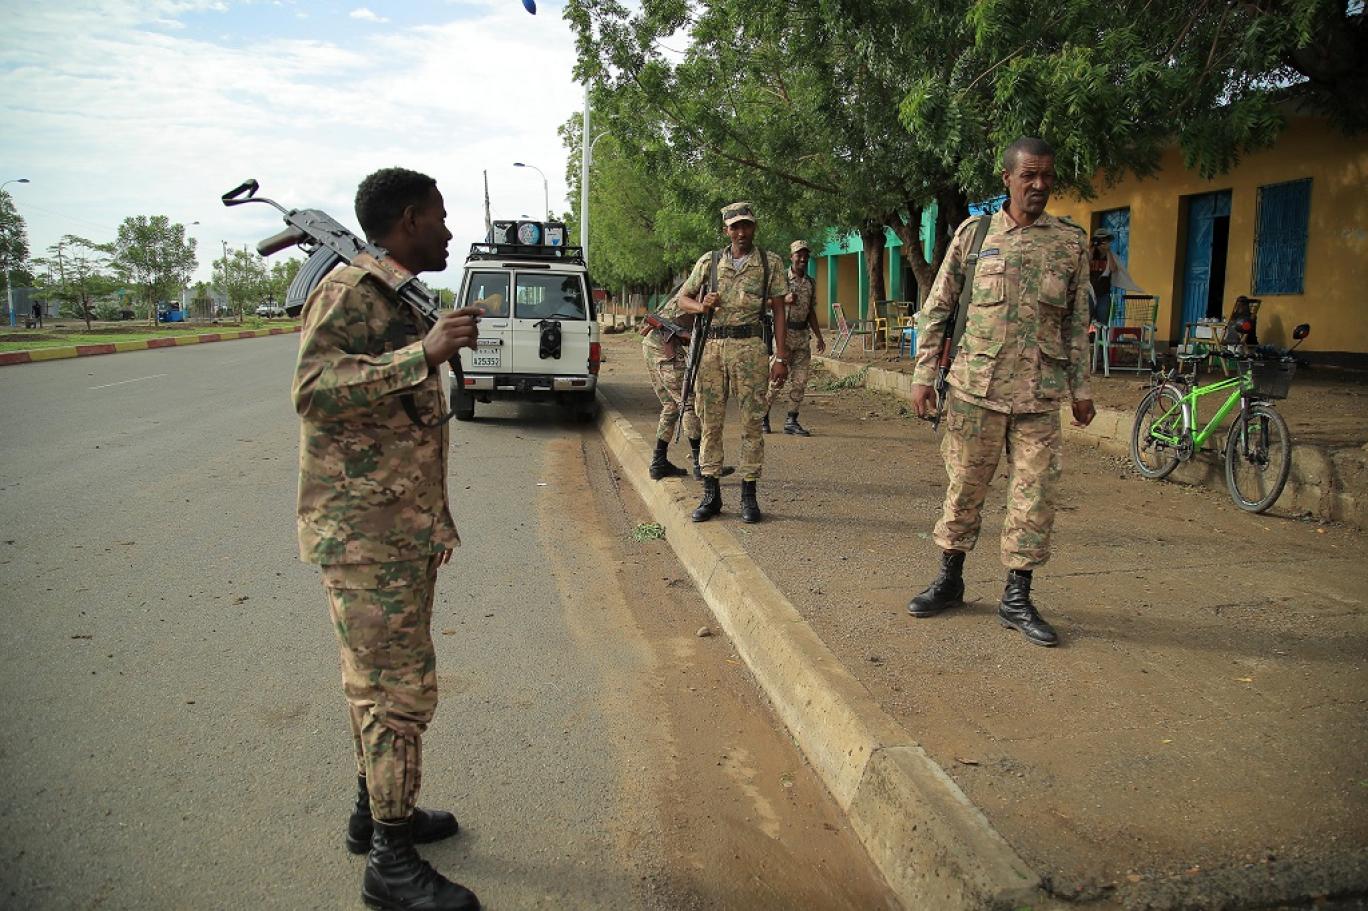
<point>176,736</point>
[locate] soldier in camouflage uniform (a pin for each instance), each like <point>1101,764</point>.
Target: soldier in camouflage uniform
<point>1024,348</point>
<point>373,512</point>
<point>802,320</point>
<point>666,363</point>
<point>734,360</point>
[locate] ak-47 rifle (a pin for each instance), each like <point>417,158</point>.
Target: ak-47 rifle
<point>699,336</point>
<point>954,324</point>
<point>328,244</point>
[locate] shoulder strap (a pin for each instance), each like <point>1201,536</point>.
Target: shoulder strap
<point>970,264</point>
<point>712,270</point>
<point>764,285</point>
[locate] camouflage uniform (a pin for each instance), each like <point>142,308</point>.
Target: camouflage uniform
<point>667,378</point>
<point>373,511</point>
<point>798,341</point>
<point>1024,347</point>
<point>735,366</point>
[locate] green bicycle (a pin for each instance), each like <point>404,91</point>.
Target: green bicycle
<point>1258,450</point>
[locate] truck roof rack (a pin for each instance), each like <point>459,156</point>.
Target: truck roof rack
<point>573,255</point>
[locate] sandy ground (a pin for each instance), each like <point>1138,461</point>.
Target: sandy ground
<point>1199,733</point>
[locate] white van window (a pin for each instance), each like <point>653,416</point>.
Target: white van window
<point>548,296</point>
<point>488,290</point>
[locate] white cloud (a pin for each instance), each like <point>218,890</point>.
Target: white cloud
<point>128,119</point>
<point>367,15</point>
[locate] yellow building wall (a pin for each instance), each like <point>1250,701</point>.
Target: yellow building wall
<point>1336,273</point>
<point>819,282</point>
<point>848,284</point>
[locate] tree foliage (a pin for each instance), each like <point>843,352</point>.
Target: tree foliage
<point>14,245</point>
<point>243,278</point>
<point>860,113</point>
<point>76,273</point>
<point>154,256</point>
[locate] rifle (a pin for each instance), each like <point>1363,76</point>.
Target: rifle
<point>672,332</point>
<point>329,243</point>
<point>955,323</point>
<point>702,323</point>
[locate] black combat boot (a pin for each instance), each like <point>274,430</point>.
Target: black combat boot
<point>711,504</point>
<point>695,446</point>
<point>397,879</point>
<point>428,825</point>
<point>662,467</point>
<point>750,509</point>
<point>792,426</point>
<point>764,423</point>
<point>1017,612</point>
<point>946,590</point>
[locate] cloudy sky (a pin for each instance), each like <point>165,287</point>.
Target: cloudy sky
<point>115,108</point>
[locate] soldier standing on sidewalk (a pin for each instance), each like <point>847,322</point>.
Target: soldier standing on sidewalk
<point>373,511</point>
<point>1024,347</point>
<point>802,318</point>
<point>740,281</point>
<point>665,363</point>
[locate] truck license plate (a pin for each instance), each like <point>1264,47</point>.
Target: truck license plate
<point>486,356</point>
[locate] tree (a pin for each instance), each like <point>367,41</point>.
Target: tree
<point>859,115</point>
<point>75,272</point>
<point>154,256</point>
<point>14,248</point>
<point>242,276</point>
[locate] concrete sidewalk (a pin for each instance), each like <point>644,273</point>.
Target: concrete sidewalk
<point>1197,740</point>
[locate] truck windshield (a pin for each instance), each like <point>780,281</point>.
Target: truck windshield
<point>548,296</point>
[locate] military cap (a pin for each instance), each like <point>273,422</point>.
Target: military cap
<point>799,245</point>
<point>737,211</point>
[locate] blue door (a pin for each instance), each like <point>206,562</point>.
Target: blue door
<point>1208,222</point>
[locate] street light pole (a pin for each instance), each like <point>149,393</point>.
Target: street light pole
<point>546,189</point>
<point>9,294</point>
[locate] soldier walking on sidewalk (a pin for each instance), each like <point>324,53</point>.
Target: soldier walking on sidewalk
<point>802,319</point>
<point>736,283</point>
<point>1024,348</point>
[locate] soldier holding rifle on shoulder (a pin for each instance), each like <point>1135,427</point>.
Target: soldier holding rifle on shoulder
<point>1024,347</point>
<point>735,285</point>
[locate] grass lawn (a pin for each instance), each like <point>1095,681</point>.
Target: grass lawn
<point>29,339</point>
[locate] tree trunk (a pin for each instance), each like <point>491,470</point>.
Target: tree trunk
<point>874,242</point>
<point>85,310</point>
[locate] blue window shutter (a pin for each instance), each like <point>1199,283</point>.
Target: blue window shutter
<point>1280,242</point>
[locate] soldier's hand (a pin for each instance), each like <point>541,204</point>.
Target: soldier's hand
<point>778,373</point>
<point>821,344</point>
<point>1083,412</point>
<point>453,331</point>
<point>710,300</point>
<point>789,298</point>
<point>923,400</point>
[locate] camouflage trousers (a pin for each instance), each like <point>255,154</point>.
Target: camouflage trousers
<point>733,366</point>
<point>974,440</point>
<point>667,379</point>
<point>799,370</point>
<point>382,614</point>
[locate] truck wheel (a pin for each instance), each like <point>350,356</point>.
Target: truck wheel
<point>585,408</point>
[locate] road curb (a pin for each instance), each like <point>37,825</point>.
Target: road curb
<point>35,355</point>
<point>1323,481</point>
<point>934,847</point>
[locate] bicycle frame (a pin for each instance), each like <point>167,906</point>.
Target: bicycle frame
<point>1239,387</point>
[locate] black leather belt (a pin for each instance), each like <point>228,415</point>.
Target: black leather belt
<point>749,330</point>
<point>799,324</point>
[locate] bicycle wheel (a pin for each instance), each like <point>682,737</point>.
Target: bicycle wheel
<point>1152,458</point>
<point>1258,458</point>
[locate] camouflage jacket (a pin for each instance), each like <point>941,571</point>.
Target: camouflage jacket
<point>741,300</point>
<point>804,297</point>
<point>1025,340</point>
<point>372,484</point>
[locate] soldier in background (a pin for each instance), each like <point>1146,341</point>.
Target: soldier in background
<point>361,359</point>
<point>749,281</point>
<point>1025,347</point>
<point>801,314</point>
<point>665,363</point>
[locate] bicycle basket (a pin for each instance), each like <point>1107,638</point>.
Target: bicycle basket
<point>1273,378</point>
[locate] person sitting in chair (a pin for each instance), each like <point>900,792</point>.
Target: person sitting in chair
<point>1242,329</point>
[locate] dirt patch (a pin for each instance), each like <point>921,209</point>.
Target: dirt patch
<point>1204,712</point>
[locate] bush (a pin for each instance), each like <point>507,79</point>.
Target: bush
<point>107,311</point>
